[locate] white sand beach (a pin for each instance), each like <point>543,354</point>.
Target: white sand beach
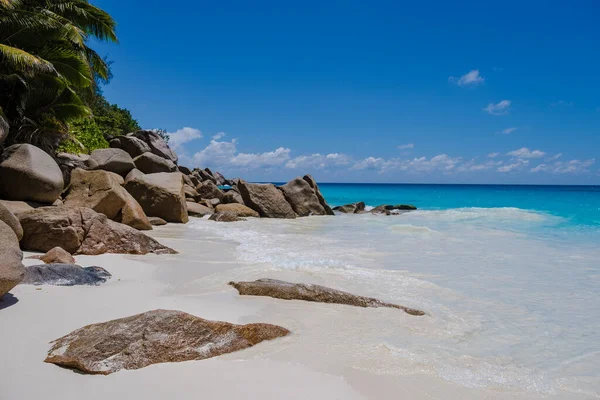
<point>332,353</point>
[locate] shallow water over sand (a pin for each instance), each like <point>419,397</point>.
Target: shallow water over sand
<point>512,296</point>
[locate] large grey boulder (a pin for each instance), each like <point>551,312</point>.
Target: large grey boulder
<point>157,145</point>
<point>132,145</point>
<point>64,275</point>
<point>134,173</point>
<point>302,198</point>
<point>313,184</point>
<point>150,163</point>
<point>102,192</point>
<point>29,173</point>
<point>112,160</point>
<point>11,266</point>
<point>308,292</point>
<point>160,195</point>
<point>11,220</point>
<point>154,337</point>
<point>81,230</point>
<point>232,196</point>
<point>265,199</point>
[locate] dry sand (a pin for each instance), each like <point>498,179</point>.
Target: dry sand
<point>315,362</point>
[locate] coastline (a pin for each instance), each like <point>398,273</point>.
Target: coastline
<point>195,281</point>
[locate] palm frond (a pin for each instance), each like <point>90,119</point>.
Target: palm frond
<point>25,62</point>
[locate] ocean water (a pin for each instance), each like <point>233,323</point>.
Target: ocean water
<point>509,275</point>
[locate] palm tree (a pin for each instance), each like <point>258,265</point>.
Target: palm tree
<point>46,66</point>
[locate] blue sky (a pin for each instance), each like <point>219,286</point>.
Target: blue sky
<point>433,92</point>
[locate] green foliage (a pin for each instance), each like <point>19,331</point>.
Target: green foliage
<point>47,70</point>
<point>163,134</point>
<point>86,136</point>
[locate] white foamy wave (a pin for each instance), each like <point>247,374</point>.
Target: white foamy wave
<point>409,229</point>
<point>474,213</point>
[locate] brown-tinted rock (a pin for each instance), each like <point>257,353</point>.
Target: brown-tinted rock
<point>154,337</point>
<point>388,209</point>
<point>27,173</point>
<point>81,230</point>
<point>308,292</point>
<point>134,173</point>
<point>198,210</point>
<point>102,192</point>
<point>184,170</point>
<point>11,266</point>
<point>232,196</point>
<point>313,184</point>
<point>112,160</point>
<point>57,255</point>
<point>11,220</point>
<point>190,192</point>
<point>17,207</point>
<point>239,210</point>
<point>302,198</point>
<point>132,145</point>
<point>160,195</point>
<point>156,221</point>
<point>150,163</point>
<point>68,162</point>
<point>225,217</point>
<point>354,208</point>
<point>209,190</point>
<point>265,199</point>
<point>220,179</point>
<point>157,145</point>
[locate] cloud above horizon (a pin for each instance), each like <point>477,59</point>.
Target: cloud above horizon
<point>500,108</point>
<point>225,156</point>
<point>471,78</point>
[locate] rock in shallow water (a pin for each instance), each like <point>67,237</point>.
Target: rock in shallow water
<point>153,337</point>
<point>64,275</point>
<point>308,292</point>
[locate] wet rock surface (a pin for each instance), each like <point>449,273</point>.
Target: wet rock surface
<point>308,292</point>
<point>64,275</point>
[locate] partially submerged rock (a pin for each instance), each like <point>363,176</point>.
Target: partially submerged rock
<point>308,292</point>
<point>156,221</point>
<point>354,208</point>
<point>160,195</point>
<point>302,198</point>
<point>153,337</point>
<point>225,217</point>
<point>81,230</point>
<point>27,173</point>
<point>389,209</point>
<point>64,275</point>
<point>265,199</point>
<point>198,210</point>
<point>11,265</point>
<point>239,210</point>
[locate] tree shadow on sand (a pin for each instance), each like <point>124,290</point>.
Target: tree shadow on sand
<point>8,300</point>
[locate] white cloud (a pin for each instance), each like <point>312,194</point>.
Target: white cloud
<point>216,154</point>
<point>519,164</point>
<point>493,155</point>
<point>562,103</point>
<point>526,153</point>
<point>182,136</point>
<point>224,155</point>
<point>441,162</point>
<point>555,157</point>
<point>540,168</point>
<point>471,78</point>
<point>370,163</point>
<point>319,161</point>
<point>500,108</point>
<point>508,131</point>
<point>406,146</point>
<point>219,136</point>
<point>262,160</point>
<point>566,167</point>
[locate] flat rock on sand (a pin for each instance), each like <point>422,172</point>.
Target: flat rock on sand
<point>64,275</point>
<point>308,292</point>
<point>153,337</point>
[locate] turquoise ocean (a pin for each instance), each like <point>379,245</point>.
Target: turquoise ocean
<point>509,275</point>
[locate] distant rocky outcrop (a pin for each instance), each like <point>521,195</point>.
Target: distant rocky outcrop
<point>112,160</point>
<point>388,209</point>
<point>27,173</point>
<point>64,275</point>
<point>265,199</point>
<point>153,337</point>
<point>81,230</point>
<point>11,265</point>
<point>102,192</point>
<point>308,292</point>
<point>160,195</point>
<point>354,208</point>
